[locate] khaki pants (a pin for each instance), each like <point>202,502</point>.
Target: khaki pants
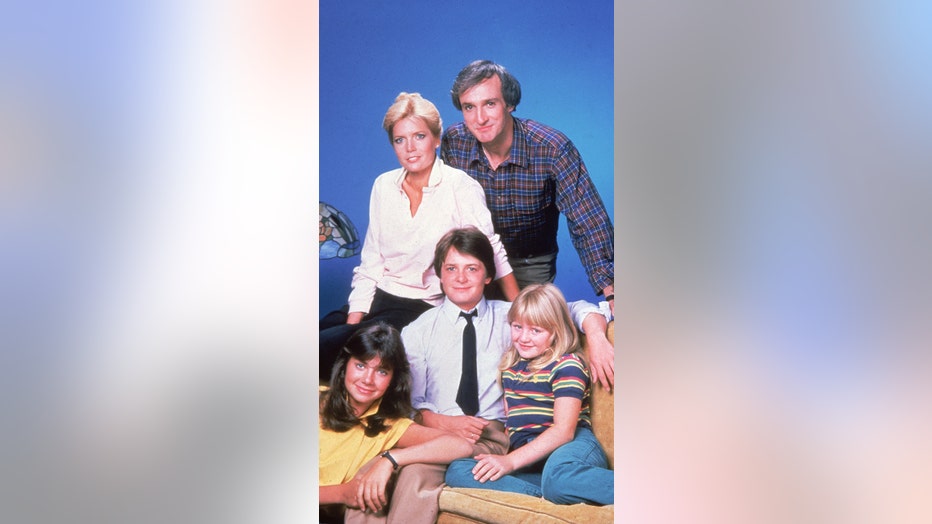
<point>416,498</point>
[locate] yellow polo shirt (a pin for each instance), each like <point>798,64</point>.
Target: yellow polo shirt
<point>342,454</point>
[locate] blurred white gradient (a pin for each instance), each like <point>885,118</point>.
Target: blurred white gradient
<point>773,341</point>
<point>160,312</point>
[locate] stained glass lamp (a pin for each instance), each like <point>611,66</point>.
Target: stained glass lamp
<point>338,237</point>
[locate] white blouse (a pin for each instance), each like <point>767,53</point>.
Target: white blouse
<point>398,251</point>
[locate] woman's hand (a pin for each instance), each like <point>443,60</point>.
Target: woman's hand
<point>371,488</point>
<point>344,494</point>
<point>491,467</point>
<point>355,317</point>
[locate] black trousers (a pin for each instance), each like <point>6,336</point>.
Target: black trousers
<point>334,331</point>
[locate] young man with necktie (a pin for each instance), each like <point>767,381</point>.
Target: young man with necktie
<point>464,262</point>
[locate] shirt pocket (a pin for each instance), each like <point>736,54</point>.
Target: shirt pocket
<point>531,202</point>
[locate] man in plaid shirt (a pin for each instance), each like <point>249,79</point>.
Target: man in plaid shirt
<point>531,173</point>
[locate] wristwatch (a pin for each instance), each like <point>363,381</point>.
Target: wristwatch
<point>391,459</point>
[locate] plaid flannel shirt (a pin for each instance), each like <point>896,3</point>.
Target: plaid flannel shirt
<point>543,177</point>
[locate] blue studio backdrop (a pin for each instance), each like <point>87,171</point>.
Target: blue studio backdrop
<point>560,52</point>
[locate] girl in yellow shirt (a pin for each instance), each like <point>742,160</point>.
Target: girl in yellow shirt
<point>365,432</point>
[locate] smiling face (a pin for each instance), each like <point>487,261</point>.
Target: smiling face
<point>415,146</point>
<point>463,278</point>
<point>486,115</point>
<point>529,340</point>
<point>366,382</point>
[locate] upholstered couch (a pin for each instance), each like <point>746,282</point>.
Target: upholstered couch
<point>465,505</point>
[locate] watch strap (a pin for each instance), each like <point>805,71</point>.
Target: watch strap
<point>391,459</point>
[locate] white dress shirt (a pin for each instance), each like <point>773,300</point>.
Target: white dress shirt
<point>398,252</point>
<point>434,345</point>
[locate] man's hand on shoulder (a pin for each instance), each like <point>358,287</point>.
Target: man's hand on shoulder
<point>599,351</point>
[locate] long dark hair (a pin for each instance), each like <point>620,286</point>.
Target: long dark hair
<point>376,340</point>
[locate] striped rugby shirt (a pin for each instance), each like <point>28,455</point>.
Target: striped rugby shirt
<point>530,396</point>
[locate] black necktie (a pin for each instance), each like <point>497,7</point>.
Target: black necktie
<point>467,397</point>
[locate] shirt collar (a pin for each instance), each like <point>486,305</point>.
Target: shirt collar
<point>519,150</point>
<point>452,311</point>
<point>436,175</point>
<point>475,152</point>
<point>519,147</point>
<point>373,409</point>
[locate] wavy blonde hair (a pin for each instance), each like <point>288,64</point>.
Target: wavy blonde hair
<point>543,305</point>
<point>413,105</point>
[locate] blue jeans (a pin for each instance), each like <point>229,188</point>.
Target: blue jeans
<point>575,472</point>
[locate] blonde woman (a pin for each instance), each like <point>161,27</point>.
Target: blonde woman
<point>410,208</point>
<point>552,451</point>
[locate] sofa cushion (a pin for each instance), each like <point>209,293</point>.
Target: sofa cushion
<point>461,505</point>
<point>603,412</point>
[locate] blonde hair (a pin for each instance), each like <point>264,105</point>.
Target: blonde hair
<point>543,305</point>
<point>412,105</point>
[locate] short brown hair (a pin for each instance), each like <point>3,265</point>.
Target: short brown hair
<point>468,241</point>
<point>478,71</point>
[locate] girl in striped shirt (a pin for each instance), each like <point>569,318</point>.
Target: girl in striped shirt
<point>552,451</point>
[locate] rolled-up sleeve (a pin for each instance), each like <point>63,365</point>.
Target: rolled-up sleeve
<point>580,309</point>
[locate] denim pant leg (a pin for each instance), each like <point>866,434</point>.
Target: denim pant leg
<point>459,475</point>
<point>578,472</point>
